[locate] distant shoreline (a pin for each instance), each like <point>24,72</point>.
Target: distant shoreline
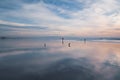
<point>59,37</point>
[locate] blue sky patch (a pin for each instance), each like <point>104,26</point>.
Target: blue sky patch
<point>67,5</point>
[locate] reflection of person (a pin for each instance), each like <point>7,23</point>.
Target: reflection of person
<point>62,40</point>
<point>69,44</point>
<point>45,45</point>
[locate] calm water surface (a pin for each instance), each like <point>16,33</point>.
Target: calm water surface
<point>30,60</point>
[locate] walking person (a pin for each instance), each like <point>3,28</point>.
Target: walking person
<point>45,45</point>
<point>62,40</point>
<point>69,44</point>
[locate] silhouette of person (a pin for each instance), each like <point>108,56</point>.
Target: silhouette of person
<point>69,44</point>
<point>62,40</point>
<point>84,40</point>
<point>45,45</point>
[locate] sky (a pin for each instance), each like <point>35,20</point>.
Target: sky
<point>86,18</point>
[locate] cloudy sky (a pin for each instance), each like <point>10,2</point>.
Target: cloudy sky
<point>60,17</point>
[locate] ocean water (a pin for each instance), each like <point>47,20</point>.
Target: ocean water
<point>34,59</point>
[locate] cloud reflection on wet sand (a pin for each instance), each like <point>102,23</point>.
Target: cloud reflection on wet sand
<point>29,60</point>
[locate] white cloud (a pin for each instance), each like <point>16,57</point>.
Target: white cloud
<point>97,16</point>
<point>13,23</point>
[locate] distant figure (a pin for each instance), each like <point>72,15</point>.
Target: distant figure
<point>84,40</point>
<point>62,40</point>
<point>45,45</point>
<point>69,44</point>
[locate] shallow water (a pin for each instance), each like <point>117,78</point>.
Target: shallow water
<point>31,60</point>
